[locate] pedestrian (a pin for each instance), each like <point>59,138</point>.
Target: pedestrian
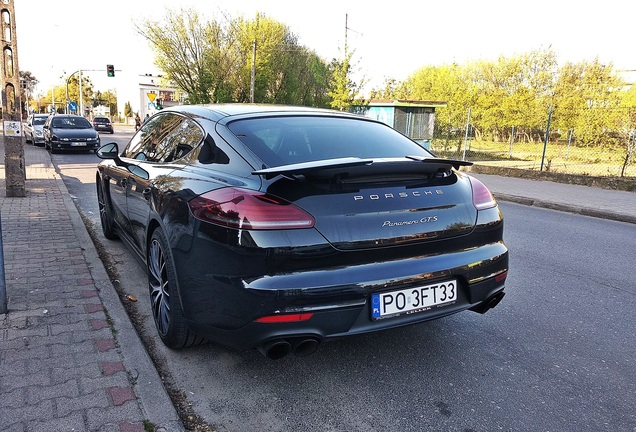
<point>137,122</point>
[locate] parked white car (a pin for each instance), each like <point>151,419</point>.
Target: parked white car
<point>33,132</point>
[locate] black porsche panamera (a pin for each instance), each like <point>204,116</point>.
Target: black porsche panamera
<point>278,228</point>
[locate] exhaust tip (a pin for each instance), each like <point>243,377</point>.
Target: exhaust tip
<point>494,301</point>
<point>489,303</point>
<point>276,350</point>
<point>306,347</point>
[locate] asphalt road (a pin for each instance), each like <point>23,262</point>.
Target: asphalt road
<point>558,354</point>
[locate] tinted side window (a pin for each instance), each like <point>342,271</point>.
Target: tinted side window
<point>140,146</point>
<point>184,138</point>
<point>164,138</point>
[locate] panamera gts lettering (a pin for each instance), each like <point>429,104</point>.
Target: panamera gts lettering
<point>410,222</point>
<point>375,197</point>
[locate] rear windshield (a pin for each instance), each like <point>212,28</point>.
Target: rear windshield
<point>288,140</point>
<point>101,120</point>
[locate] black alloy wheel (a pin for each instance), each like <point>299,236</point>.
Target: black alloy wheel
<point>166,308</point>
<point>104,213</point>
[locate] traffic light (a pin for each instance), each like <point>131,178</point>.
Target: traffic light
<point>110,70</point>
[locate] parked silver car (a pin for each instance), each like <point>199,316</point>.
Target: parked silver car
<point>33,132</point>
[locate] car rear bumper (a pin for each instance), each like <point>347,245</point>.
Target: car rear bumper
<point>225,309</point>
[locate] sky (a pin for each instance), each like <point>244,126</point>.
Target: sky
<point>389,39</point>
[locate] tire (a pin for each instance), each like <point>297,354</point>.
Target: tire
<point>166,307</point>
<point>104,213</point>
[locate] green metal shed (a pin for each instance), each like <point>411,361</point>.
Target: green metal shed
<point>415,119</point>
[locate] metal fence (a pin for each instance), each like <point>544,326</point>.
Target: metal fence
<point>559,157</point>
<point>561,153</point>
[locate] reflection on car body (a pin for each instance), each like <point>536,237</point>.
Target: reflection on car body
<point>266,226</point>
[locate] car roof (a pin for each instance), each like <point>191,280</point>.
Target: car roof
<point>216,112</point>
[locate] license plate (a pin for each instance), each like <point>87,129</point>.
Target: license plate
<point>412,300</point>
<point>78,144</point>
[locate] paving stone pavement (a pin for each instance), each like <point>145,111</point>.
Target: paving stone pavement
<point>70,359</point>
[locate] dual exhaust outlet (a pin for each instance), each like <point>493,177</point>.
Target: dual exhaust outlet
<point>301,347</point>
<point>279,348</point>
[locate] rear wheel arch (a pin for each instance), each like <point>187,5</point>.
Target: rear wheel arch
<point>163,289</point>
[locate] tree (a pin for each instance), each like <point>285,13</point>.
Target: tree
<point>128,112</point>
<point>343,90</point>
<point>73,91</point>
<point>587,98</point>
<point>194,54</point>
<point>107,98</point>
<point>285,72</point>
<point>212,62</point>
<point>27,83</point>
<point>510,92</point>
<point>452,84</point>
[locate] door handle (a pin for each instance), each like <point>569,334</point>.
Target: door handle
<point>146,193</point>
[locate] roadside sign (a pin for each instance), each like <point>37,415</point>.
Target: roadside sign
<point>12,128</point>
<point>72,106</point>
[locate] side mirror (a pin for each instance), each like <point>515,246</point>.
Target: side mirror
<point>111,151</point>
<point>108,151</point>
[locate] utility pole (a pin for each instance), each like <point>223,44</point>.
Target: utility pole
<point>81,105</point>
<point>253,78</point>
<point>12,105</point>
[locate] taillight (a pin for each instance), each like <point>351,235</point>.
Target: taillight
<point>482,198</point>
<point>248,209</point>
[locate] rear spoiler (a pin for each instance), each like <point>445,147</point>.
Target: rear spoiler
<point>357,166</point>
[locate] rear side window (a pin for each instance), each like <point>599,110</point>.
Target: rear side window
<point>288,140</point>
<point>164,138</point>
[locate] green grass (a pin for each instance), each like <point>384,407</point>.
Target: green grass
<point>559,157</point>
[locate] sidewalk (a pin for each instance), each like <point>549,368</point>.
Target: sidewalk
<point>585,200</point>
<point>70,359</point>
